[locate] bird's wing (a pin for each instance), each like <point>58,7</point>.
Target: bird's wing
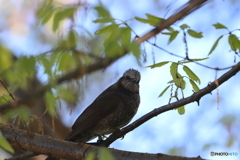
<point>106,103</point>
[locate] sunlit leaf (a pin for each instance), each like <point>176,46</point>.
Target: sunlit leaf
<point>196,59</point>
<point>135,49</point>
<point>61,15</point>
<point>233,42</point>
<point>219,26</point>
<point>215,45</point>
<point>194,85</point>
<point>194,33</point>
<point>105,154</point>
<point>181,110</point>
<point>142,20</point>
<point>162,93</point>
<point>50,102</point>
<point>170,29</point>
<point>126,37</point>
<point>158,64</point>
<point>6,59</point>
<point>173,70</point>
<point>113,50</point>
<point>173,36</point>
<point>104,20</point>
<point>191,74</point>
<point>153,20</point>
<point>107,29</point>
<point>5,144</point>
<point>45,11</point>
<point>90,156</point>
<point>184,26</point>
<point>102,11</point>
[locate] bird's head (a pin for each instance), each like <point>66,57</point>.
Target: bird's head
<point>130,80</point>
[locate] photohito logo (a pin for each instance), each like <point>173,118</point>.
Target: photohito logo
<point>224,154</point>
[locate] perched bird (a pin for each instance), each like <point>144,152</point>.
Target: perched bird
<point>111,110</point>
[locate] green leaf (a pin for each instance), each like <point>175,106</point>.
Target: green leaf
<point>194,85</point>
<point>64,64</point>
<point>219,26</point>
<point>215,45</point>
<point>126,37</point>
<point>26,66</point>
<point>61,15</point>
<point>173,70</point>
<point>181,110</point>
<point>196,59</point>
<point>113,50</point>
<point>194,33</point>
<point>233,42</point>
<point>102,11</point>
<point>167,33</point>
<point>142,20</point>
<point>5,144</point>
<point>153,20</point>
<point>135,49</point>
<point>184,26</point>
<point>107,29</point>
<point>90,156</point>
<point>6,59</point>
<point>105,154</point>
<point>158,64</point>
<point>173,36</point>
<point>71,40</point>
<point>104,20</point>
<point>170,29</point>
<point>45,12</point>
<point>66,95</point>
<point>50,102</point>
<point>191,74</point>
<point>46,64</point>
<point>161,94</point>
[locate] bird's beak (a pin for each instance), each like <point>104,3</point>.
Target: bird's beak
<point>133,80</point>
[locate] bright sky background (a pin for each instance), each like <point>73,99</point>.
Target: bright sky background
<point>196,133</point>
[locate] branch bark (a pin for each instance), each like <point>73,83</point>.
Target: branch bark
<point>40,144</point>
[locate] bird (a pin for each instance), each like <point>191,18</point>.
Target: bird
<point>111,110</point>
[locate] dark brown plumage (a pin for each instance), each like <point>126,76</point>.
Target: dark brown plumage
<point>111,110</point>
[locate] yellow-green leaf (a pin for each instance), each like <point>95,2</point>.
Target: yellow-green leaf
<point>234,42</point>
<point>191,74</point>
<point>181,110</point>
<point>194,85</point>
<point>215,44</point>
<point>105,154</point>
<point>184,26</point>
<point>219,26</point>
<point>5,144</point>
<point>107,29</point>
<point>153,20</point>
<point>126,37</point>
<point>173,36</point>
<point>142,20</point>
<point>173,70</point>
<point>104,20</point>
<point>158,64</point>
<point>194,33</point>
<point>161,94</point>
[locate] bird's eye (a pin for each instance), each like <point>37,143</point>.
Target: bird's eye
<point>127,77</point>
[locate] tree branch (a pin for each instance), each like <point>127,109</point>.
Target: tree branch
<point>40,144</point>
<point>193,98</point>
